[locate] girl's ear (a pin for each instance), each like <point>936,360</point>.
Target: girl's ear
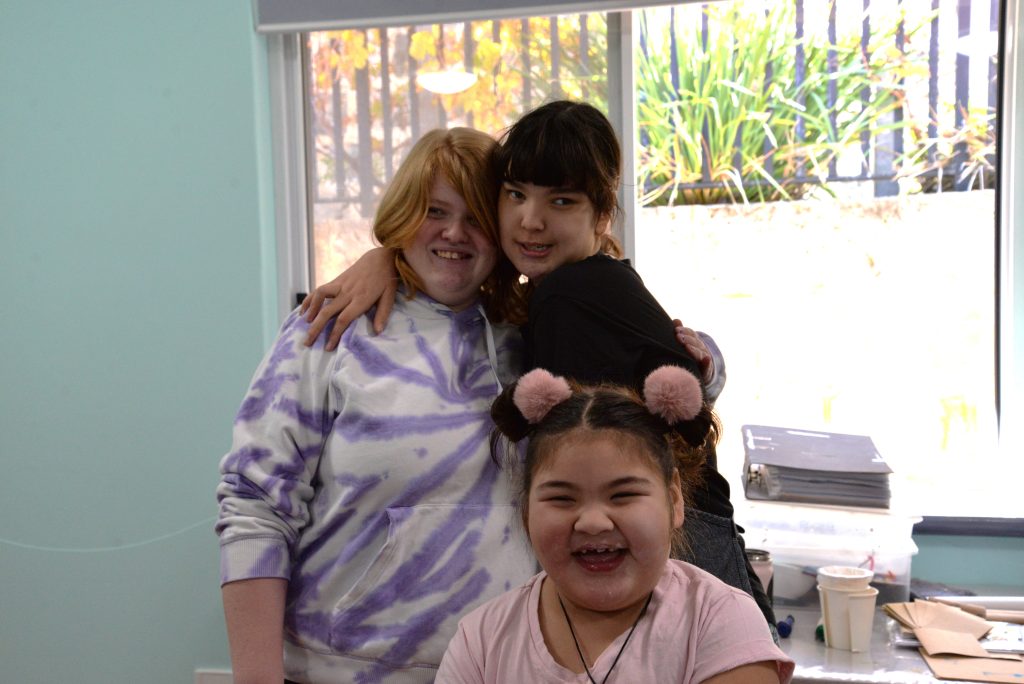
<point>675,489</point>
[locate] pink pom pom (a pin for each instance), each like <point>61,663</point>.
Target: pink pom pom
<point>537,392</point>
<point>673,393</point>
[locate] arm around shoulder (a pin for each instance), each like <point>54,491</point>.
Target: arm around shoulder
<point>370,280</point>
<point>716,383</point>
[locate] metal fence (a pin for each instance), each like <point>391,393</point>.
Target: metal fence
<point>363,120</point>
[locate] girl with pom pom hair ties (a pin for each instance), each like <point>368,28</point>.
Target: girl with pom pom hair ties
<point>602,495</point>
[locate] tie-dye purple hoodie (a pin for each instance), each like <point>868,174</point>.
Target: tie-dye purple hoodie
<point>364,477</point>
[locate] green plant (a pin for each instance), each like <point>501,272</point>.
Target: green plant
<point>757,138</point>
<point>963,157</point>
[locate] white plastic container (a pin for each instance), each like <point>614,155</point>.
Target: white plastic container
<point>804,538</point>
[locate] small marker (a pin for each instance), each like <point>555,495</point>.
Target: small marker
<point>785,627</point>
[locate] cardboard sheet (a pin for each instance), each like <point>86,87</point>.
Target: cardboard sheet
<point>937,616</point>
<point>949,643</point>
<point>976,669</point>
<point>944,642</point>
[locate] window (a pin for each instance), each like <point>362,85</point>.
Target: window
<point>371,93</point>
<point>866,305</point>
<point>833,224</point>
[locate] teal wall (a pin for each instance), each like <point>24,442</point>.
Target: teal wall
<point>137,295</point>
<point>135,199</point>
<point>988,564</point>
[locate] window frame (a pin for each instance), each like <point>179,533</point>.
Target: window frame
<point>289,121</point>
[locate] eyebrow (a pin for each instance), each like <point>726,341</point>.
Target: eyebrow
<point>552,189</point>
<point>629,481</point>
<point>620,482</point>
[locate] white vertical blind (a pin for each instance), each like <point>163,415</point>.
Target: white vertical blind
<point>276,16</point>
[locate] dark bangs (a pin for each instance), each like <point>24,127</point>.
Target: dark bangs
<point>565,145</point>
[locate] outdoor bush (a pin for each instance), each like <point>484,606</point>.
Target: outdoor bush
<point>735,107</point>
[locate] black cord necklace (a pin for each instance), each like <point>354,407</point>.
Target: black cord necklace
<point>621,649</point>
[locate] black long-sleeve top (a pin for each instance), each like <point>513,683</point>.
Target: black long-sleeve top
<point>595,321</point>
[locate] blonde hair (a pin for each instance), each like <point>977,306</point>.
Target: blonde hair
<point>463,158</point>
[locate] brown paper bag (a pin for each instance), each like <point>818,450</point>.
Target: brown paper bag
<point>976,669</point>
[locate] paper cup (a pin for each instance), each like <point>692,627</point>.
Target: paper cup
<point>848,617</point>
<point>844,577</point>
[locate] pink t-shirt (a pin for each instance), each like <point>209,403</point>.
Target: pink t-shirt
<point>695,627</point>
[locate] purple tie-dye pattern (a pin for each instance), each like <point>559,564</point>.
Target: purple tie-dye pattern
<point>479,372</point>
<point>249,457</point>
<point>351,634</point>
<point>376,523</point>
<point>421,486</point>
<point>311,420</point>
<point>307,452</point>
<point>270,382</point>
<point>447,575</point>
<point>309,551</point>
<point>444,564</point>
<point>275,489</point>
<point>427,622</point>
<point>245,458</point>
<point>462,343</point>
<point>420,576</point>
<point>436,367</point>
<point>356,486</point>
<point>268,562</point>
<point>275,484</point>
<point>240,488</point>
<point>283,480</point>
<point>462,347</point>
<point>304,588</point>
<point>406,634</point>
<point>406,583</point>
<point>470,372</point>
<point>378,364</point>
<point>357,426</point>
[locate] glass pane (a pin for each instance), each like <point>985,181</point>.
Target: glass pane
<point>818,196</point>
<point>372,93</point>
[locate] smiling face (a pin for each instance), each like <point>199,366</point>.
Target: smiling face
<point>543,228</point>
<point>600,518</point>
<point>450,253</point>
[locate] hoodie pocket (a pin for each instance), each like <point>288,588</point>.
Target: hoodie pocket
<point>439,562</point>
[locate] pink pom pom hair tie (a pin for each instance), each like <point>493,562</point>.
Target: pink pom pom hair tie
<point>673,393</point>
<point>537,392</point>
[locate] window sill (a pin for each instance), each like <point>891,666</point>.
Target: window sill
<point>970,527</point>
